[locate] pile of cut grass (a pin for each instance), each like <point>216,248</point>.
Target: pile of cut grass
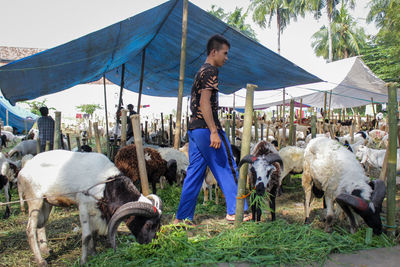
<point>271,243</point>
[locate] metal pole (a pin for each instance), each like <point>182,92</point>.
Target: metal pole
<point>105,109</point>
<point>245,150</point>
<point>177,139</point>
<point>141,81</point>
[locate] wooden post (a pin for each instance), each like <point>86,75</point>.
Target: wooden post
<point>325,96</point>
<point>141,81</point>
<point>392,159</point>
<point>313,125</point>
<point>262,131</point>
<point>267,133</point>
<point>57,130</point>
<point>177,140</point>
<point>245,150</point>
<point>284,118</point>
<point>90,135</point>
<point>78,143</point>
<point>162,128</point>
<point>123,127</point>
<point>140,153</point>
<point>373,107</point>
<point>233,130</point>
<point>301,112</point>
<point>227,127</point>
<point>329,109</point>
<point>291,128</point>
<point>38,145</point>
<point>255,127</point>
<point>170,131</point>
<point>146,132</point>
<point>69,141</point>
<point>97,135</point>
<point>352,133</point>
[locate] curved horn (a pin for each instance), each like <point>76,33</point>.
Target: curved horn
<point>156,200</point>
<point>128,209</point>
<point>274,157</point>
<point>247,159</point>
<point>353,201</point>
<point>379,193</point>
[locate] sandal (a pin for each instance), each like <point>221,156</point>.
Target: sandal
<point>231,218</point>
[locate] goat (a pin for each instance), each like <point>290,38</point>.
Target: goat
<point>91,181</point>
<point>265,171</point>
<point>374,157</point>
<point>292,158</point>
<point>126,161</point>
<point>8,175</point>
<point>24,148</point>
<point>331,170</point>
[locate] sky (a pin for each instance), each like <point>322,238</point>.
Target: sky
<point>49,23</point>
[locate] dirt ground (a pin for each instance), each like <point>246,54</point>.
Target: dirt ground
<point>63,229</point>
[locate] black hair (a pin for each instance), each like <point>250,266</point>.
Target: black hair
<point>216,42</point>
<point>130,106</point>
<point>44,111</point>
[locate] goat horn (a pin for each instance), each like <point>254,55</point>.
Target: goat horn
<point>352,201</point>
<point>128,209</point>
<point>156,200</point>
<point>379,193</point>
<point>273,157</point>
<point>247,159</point>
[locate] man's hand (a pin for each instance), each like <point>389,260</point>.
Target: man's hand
<point>215,140</point>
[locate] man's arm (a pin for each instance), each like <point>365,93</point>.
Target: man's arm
<point>205,108</point>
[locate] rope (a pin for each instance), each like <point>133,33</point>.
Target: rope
<point>388,226</point>
<point>244,196</point>
<point>85,192</point>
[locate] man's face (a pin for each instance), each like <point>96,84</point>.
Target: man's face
<point>221,56</point>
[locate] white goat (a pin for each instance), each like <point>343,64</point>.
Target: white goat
<point>331,170</point>
<point>91,181</point>
<point>24,148</point>
<point>374,157</point>
<point>292,158</point>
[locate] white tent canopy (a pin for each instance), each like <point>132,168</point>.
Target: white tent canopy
<point>351,82</point>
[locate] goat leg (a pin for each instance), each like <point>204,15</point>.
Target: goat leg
<point>272,202</point>
<point>8,198</point>
<point>31,232</point>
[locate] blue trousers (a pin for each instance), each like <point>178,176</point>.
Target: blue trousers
<point>224,169</point>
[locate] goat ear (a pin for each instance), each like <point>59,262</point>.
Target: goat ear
<point>352,201</point>
<point>128,209</point>
<point>379,193</point>
<point>247,159</point>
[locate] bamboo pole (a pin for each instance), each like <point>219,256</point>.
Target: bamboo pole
<point>177,140</point>
<point>146,132</point>
<point>262,131</point>
<point>313,125</point>
<point>329,109</point>
<point>255,127</point>
<point>123,127</point>
<point>245,150</point>
<point>57,130</point>
<point>97,135</point>
<point>284,118</point>
<point>119,107</point>
<point>170,141</point>
<point>226,127</point>
<point>90,135</point>
<point>140,153</point>
<point>301,112</point>
<point>162,128</point>
<point>267,133</point>
<point>325,96</point>
<point>141,81</point>
<point>233,130</point>
<point>106,115</point>
<point>392,159</point>
<point>291,128</point>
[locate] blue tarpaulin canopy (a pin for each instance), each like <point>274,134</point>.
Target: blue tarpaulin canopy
<point>17,116</point>
<point>158,31</point>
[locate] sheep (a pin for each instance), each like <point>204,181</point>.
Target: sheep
<point>265,171</point>
<point>292,158</point>
<point>103,195</point>
<point>332,171</point>
<point>374,157</point>
<point>8,175</point>
<point>24,148</point>
<point>8,128</point>
<point>126,161</point>
<point>24,160</point>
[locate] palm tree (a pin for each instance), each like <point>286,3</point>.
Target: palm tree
<point>284,10</point>
<point>347,38</point>
<point>377,12</point>
<point>234,19</point>
<point>317,6</point>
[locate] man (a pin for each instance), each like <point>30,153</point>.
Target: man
<point>129,131</point>
<point>46,129</point>
<point>208,145</point>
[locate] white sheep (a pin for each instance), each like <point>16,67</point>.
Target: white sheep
<point>24,148</point>
<point>374,157</point>
<point>332,171</point>
<point>96,186</point>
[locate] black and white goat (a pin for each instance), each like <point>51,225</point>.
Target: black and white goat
<point>8,175</point>
<point>265,172</point>
<point>96,186</point>
<point>332,171</point>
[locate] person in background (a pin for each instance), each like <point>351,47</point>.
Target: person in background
<point>208,144</point>
<point>46,129</point>
<point>129,128</point>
